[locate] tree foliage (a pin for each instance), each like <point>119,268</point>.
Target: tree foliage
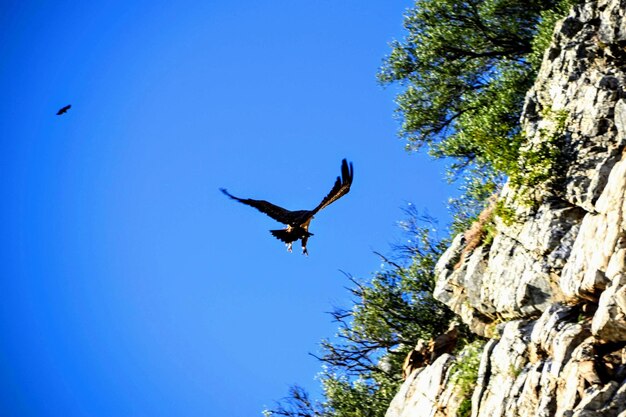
<point>465,67</point>
<point>393,309</point>
<point>465,70</point>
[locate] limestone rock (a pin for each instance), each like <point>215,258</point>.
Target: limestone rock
<point>421,390</point>
<point>600,241</point>
<point>609,322</point>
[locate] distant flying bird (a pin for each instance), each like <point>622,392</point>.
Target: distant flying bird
<point>64,109</point>
<point>298,221</point>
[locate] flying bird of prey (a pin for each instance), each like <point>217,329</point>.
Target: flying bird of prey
<point>63,110</point>
<point>298,221</point>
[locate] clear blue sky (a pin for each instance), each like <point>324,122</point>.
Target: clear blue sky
<point>130,285</point>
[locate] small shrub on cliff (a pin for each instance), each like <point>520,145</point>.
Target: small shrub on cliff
<point>541,164</point>
<point>505,213</point>
<point>464,374</point>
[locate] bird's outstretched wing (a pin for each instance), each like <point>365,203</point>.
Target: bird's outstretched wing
<point>341,187</point>
<point>64,109</point>
<point>277,213</point>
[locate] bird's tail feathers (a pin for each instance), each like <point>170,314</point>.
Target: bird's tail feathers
<point>284,235</point>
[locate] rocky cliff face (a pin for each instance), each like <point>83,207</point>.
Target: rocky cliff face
<point>549,291</point>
